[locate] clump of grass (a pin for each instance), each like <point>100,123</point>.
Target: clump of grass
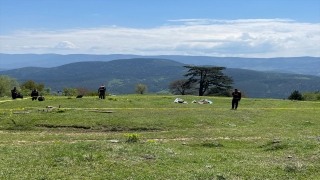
<point>290,168</point>
<point>211,144</point>
<point>61,110</point>
<point>132,138</point>
<point>275,145</point>
<point>112,99</point>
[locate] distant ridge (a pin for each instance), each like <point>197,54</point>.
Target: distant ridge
<point>122,75</point>
<point>295,65</point>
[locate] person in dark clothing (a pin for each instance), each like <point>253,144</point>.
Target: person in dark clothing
<point>102,92</point>
<point>34,94</point>
<point>41,98</point>
<point>236,97</point>
<point>14,93</point>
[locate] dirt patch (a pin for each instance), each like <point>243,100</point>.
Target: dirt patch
<point>62,126</point>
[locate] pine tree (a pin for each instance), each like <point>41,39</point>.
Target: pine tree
<point>208,77</point>
<point>295,95</point>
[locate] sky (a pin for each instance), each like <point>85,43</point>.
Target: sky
<point>221,28</point>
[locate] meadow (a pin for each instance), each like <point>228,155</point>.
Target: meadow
<point>151,137</point>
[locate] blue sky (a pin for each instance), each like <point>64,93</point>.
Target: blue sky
<point>237,28</point>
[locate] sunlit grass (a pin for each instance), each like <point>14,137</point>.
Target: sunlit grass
<point>87,138</point>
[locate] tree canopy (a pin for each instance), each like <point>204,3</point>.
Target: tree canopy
<point>7,83</point>
<point>208,77</point>
<point>30,85</point>
<point>141,89</point>
<point>181,87</point>
<point>295,95</point>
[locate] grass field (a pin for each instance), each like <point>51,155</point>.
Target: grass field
<point>150,137</point>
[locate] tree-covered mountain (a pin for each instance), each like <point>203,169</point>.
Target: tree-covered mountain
<point>121,76</point>
<point>295,65</point>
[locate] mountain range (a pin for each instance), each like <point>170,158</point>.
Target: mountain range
<point>121,75</point>
<point>293,65</point>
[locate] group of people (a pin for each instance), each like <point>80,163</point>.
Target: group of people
<point>236,95</point>
<point>34,94</point>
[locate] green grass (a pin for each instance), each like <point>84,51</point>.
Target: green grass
<point>88,138</point>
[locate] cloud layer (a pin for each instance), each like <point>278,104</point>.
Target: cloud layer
<point>207,37</point>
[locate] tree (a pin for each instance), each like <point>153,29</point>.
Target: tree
<point>311,96</point>
<point>69,92</point>
<point>181,87</point>
<point>208,77</point>
<point>30,85</point>
<point>47,90</point>
<point>295,95</point>
<point>6,83</point>
<point>83,91</point>
<point>141,89</point>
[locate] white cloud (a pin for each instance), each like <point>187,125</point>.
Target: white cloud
<point>242,38</point>
<point>65,45</point>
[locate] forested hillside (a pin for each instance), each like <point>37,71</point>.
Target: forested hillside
<point>121,76</point>
<point>295,65</point>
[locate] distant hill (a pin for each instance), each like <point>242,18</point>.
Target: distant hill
<point>295,65</point>
<point>122,75</point>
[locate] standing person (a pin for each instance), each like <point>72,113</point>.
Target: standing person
<point>34,94</point>
<point>102,92</point>
<point>14,93</point>
<point>236,97</point>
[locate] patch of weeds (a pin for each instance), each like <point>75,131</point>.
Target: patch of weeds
<point>62,126</point>
<point>308,123</point>
<point>151,141</point>
<point>19,125</point>
<point>211,144</point>
<point>61,110</point>
<point>274,145</point>
<point>112,99</point>
<point>291,168</point>
<point>116,129</point>
<point>88,157</point>
<point>143,129</point>
<point>132,138</point>
<point>220,177</point>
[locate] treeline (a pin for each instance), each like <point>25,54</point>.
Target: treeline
<point>308,96</point>
<point>7,84</point>
<point>208,81</point>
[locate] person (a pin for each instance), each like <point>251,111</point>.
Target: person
<point>41,98</point>
<point>14,93</point>
<point>236,97</point>
<point>102,92</point>
<point>34,94</point>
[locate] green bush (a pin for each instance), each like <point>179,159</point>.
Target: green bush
<point>311,96</point>
<point>295,95</point>
<point>132,138</point>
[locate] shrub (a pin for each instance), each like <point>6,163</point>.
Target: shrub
<point>132,138</point>
<point>141,89</point>
<point>295,95</point>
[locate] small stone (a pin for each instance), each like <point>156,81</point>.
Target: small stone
<point>114,141</point>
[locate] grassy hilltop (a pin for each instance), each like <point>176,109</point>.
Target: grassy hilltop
<point>150,137</point>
